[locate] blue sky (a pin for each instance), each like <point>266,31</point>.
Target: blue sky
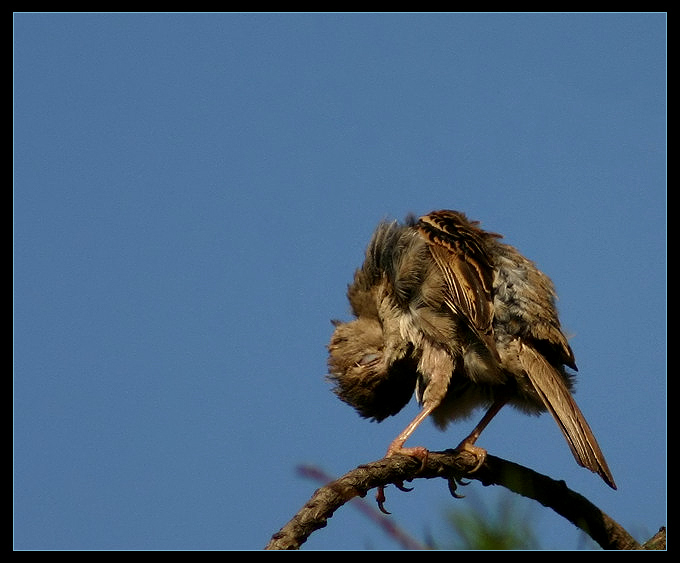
<point>192,193</point>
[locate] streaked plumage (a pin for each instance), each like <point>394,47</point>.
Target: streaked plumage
<point>445,309</point>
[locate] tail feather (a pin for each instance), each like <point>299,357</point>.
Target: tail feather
<point>558,400</point>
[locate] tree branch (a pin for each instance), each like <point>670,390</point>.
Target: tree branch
<point>369,510</point>
<point>452,466</point>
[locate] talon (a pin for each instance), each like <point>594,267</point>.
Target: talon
<point>453,486</point>
<point>380,499</point>
<point>418,453</point>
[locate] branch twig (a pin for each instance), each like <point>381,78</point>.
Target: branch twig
<point>452,466</point>
<point>370,510</point>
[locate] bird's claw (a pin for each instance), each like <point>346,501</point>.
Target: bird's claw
<point>479,453</point>
<point>380,495</point>
<point>380,499</point>
<point>419,453</point>
<point>453,486</point>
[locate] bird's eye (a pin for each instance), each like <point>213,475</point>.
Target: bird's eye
<point>367,359</point>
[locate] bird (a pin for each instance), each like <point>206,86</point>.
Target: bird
<point>446,310</point>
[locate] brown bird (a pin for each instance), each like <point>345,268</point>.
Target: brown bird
<point>445,309</point>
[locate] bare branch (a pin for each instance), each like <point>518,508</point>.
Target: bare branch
<point>369,510</point>
<point>452,466</point>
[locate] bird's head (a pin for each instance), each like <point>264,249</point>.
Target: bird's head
<point>367,378</point>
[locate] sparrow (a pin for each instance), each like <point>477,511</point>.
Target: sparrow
<point>445,310</point>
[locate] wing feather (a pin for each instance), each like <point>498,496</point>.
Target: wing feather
<point>458,248</point>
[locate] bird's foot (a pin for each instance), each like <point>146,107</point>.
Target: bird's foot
<point>418,453</point>
<point>479,453</point>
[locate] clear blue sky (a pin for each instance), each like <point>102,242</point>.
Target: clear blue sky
<point>192,193</point>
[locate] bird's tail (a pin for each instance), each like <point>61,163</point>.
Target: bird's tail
<point>558,400</point>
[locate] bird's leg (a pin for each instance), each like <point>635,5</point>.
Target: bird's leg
<point>468,444</point>
<point>397,447</point>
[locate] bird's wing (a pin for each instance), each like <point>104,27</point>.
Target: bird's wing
<point>459,250</point>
